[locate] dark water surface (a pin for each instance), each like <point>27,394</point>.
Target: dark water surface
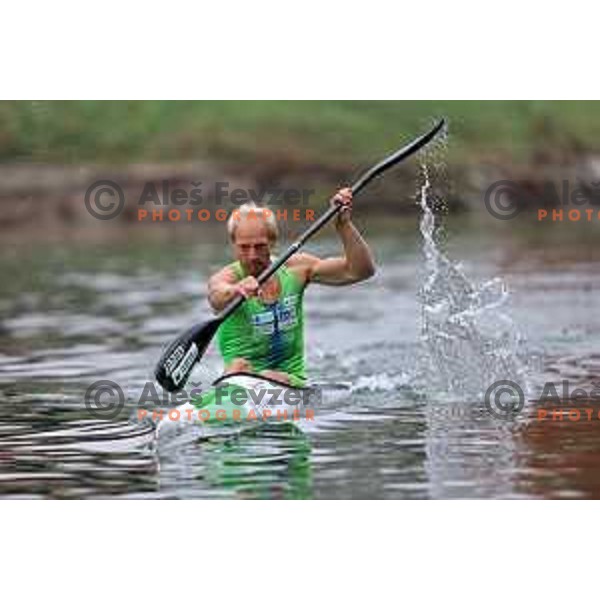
<point>75,309</point>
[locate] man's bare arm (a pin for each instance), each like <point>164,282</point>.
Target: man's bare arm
<point>356,265</point>
<point>224,286</point>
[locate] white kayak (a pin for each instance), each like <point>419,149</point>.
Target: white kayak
<point>241,400</point>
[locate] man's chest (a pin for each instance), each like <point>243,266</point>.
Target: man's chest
<point>281,315</point>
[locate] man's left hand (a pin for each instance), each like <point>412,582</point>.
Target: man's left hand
<point>343,197</point>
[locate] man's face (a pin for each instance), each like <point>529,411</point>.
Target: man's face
<point>251,246</point>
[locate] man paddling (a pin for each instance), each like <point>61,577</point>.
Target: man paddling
<point>266,334</point>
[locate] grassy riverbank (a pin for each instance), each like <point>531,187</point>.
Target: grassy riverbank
<point>328,134</point>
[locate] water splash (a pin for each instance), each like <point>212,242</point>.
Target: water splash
<point>468,341</point>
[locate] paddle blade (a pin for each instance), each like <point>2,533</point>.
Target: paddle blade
<point>180,357</point>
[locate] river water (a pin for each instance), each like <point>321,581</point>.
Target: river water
<point>77,307</point>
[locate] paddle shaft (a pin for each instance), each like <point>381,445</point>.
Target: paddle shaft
<point>274,267</point>
<point>179,358</point>
<point>358,185</point>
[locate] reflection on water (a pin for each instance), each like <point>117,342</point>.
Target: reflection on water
<point>561,458</point>
<point>76,312</point>
<point>269,461</point>
<point>57,452</point>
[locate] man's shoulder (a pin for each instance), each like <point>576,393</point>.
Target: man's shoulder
<point>301,259</point>
<point>302,265</point>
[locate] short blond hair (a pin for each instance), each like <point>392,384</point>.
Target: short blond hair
<point>249,210</point>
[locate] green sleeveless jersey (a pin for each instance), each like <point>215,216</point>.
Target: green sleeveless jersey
<point>269,336</point>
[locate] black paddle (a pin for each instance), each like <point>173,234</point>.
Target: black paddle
<point>180,357</point>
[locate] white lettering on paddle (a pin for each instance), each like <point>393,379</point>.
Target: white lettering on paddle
<point>186,364</point>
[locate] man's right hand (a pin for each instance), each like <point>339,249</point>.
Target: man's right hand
<point>248,287</point>
<point>223,288</point>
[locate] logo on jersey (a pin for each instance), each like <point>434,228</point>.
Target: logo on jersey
<point>282,315</point>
